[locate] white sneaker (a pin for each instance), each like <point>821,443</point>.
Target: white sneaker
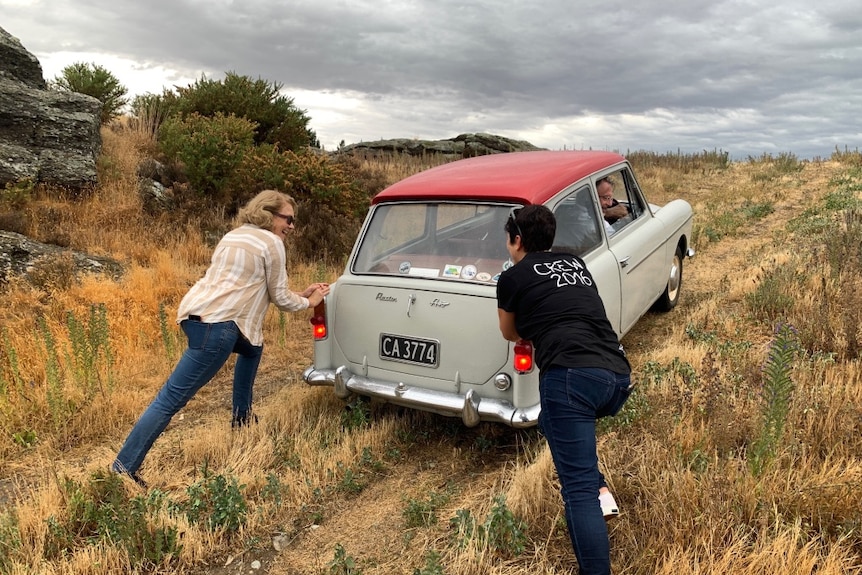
<point>609,505</point>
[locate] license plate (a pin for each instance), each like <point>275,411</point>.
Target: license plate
<point>409,349</point>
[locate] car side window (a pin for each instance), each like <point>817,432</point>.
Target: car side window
<point>578,224</point>
<point>626,193</point>
<point>635,200</point>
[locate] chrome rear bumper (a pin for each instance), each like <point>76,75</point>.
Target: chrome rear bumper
<point>470,407</point>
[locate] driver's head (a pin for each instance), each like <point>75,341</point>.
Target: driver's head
<point>605,190</point>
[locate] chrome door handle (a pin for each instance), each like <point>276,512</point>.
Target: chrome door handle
<point>624,262</point>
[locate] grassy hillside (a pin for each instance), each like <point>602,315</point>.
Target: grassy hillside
<point>740,452</point>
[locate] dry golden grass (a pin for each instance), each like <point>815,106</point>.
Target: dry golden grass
<point>677,460</point>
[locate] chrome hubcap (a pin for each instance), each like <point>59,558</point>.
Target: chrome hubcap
<point>674,279</point>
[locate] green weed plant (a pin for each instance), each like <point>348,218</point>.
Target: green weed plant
<point>342,563</point>
<point>100,511</point>
<point>169,335</point>
<point>433,565</point>
<point>501,531</point>
<point>215,502</point>
<point>776,397</point>
<point>91,353</point>
<point>423,513</point>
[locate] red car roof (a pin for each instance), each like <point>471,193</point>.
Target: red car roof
<point>518,177</point>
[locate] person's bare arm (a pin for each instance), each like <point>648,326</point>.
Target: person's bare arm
<point>507,325</point>
<point>615,212</point>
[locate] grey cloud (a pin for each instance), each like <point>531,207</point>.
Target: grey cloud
<point>748,73</point>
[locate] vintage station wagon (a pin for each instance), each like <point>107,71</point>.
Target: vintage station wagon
<point>413,318</point>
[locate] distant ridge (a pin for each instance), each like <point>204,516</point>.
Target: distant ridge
<point>462,146</point>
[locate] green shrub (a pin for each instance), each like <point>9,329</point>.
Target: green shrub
<point>356,414</point>
<point>423,513</point>
<point>331,203</point>
<point>501,531</point>
<point>216,502</point>
<point>278,121</point>
<point>785,163</point>
<point>101,511</point>
<point>772,298</point>
<point>209,148</point>
<point>94,80</point>
<point>18,194</point>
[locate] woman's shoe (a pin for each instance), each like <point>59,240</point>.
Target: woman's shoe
<point>115,468</point>
<point>610,509</point>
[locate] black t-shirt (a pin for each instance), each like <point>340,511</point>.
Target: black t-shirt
<point>557,306</point>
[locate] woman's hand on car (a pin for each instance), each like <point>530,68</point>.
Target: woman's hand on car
<point>315,293</point>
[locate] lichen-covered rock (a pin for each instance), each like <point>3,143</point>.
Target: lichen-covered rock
<point>23,257</point>
<point>46,136</point>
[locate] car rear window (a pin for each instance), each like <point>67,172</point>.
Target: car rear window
<point>452,241</point>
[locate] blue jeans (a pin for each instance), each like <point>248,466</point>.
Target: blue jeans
<point>572,401</point>
<point>209,347</point>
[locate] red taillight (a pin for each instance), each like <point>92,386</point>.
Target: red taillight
<point>523,356</point>
<point>318,321</point>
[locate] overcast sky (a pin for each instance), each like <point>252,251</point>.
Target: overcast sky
<point>745,76</point>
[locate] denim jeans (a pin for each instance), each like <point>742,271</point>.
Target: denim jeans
<point>572,400</point>
<point>209,347</point>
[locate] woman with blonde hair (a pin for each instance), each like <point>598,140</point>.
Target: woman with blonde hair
<point>223,314</point>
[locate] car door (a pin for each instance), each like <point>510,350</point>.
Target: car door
<point>638,246</point>
<point>579,231</point>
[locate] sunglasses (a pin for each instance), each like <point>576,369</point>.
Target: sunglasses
<point>289,219</point>
<point>513,214</point>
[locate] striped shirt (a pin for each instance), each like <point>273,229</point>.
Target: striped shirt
<point>247,273</point>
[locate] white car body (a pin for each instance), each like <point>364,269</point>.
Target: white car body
<point>413,318</point>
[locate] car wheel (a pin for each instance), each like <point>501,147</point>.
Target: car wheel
<point>670,297</point>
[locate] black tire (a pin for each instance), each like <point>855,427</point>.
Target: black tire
<point>670,297</point>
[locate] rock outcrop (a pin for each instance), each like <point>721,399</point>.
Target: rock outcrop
<point>462,146</point>
<point>35,261</point>
<point>46,136</point>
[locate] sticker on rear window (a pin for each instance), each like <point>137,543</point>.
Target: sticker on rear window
<point>424,272</point>
<point>404,267</point>
<point>451,271</point>
<point>468,272</point>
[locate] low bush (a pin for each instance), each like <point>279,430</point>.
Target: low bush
<point>277,120</point>
<point>100,511</point>
<point>96,81</point>
<point>210,149</point>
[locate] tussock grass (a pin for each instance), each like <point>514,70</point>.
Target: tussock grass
<point>775,238</point>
